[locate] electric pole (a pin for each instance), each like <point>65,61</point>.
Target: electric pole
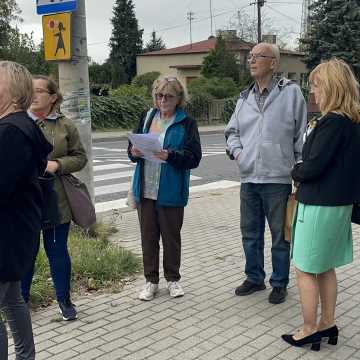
<point>211,20</point>
<point>259,4</point>
<point>190,17</point>
<point>74,85</point>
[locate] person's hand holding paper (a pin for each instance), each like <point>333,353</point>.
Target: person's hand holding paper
<point>149,146</point>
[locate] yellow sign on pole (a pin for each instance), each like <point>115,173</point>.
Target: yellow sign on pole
<point>57,36</point>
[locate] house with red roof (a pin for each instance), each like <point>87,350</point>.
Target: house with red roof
<point>185,61</point>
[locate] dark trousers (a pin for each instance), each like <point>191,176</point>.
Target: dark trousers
<point>18,317</point>
<point>167,222</point>
<point>257,202</point>
<point>55,245</point>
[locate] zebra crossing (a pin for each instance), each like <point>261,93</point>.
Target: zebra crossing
<point>113,172</point>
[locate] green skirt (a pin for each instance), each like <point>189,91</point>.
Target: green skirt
<point>322,238</point>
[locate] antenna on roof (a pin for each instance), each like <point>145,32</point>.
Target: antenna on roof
<point>190,17</point>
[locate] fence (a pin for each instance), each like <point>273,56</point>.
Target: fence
<point>207,112</point>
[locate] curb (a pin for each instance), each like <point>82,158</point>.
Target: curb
<point>120,137</point>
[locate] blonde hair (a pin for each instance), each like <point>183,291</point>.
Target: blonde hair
<point>339,89</point>
<point>170,84</point>
<point>20,84</point>
<point>53,89</point>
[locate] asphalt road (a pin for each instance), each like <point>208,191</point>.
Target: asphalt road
<point>113,171</point>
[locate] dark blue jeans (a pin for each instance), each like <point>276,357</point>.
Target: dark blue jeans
<point>257,202</point>
<point>55,245</point>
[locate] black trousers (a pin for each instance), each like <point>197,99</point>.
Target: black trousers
<point>167,222</point>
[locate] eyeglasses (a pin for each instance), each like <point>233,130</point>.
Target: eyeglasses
<point>166,97</point>
<point>41,91</point>
<point>259,56</point>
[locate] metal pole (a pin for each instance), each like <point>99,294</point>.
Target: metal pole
<point>74,85</point>
<point>190,18</point>
<point>211,20</point>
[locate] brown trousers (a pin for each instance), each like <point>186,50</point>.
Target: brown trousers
<point>167,222</point>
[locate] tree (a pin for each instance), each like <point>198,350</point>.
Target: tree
<point>125,42</point>
<point>100,74</point>
<point>9,11</point>
<point>155,43</point>
<point>220,62</point>
<point>334,32</point>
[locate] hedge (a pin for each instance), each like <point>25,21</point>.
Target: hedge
<point>110,112</point>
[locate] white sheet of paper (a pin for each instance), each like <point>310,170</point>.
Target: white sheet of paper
<point>147,144</point>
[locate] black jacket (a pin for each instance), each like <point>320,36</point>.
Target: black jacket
<point>23,156</point>
<point>330,173</point>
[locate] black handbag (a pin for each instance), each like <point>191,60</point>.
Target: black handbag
<point>50,209</point>
<point>81,205</point>
<point>355,216</point>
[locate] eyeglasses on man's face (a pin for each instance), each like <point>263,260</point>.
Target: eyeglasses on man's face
<point>170,78</point>
<point>259,56</point>
<point>41,91</point>
<point>166,97</point>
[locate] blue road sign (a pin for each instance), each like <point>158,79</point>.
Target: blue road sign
<point>55,6</point>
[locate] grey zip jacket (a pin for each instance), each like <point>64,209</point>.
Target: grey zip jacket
<point>266,144</point>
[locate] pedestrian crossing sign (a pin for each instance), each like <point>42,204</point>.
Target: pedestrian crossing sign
<point>57,36</point>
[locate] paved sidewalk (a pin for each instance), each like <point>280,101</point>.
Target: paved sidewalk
<point>209,322</point>
<point>101,136</point>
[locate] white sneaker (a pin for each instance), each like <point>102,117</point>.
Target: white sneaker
<point>148,291</point>
<point>175,289</point>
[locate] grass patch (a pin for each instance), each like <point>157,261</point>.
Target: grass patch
<point>97,265</point>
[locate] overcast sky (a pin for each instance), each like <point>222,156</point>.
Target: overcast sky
<point>169,19</point>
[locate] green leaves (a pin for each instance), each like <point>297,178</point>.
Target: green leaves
<point>117,112</point>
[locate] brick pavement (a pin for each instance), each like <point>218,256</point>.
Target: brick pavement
<point>209,322</point>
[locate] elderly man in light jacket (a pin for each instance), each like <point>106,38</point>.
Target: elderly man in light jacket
<point>264,136</point>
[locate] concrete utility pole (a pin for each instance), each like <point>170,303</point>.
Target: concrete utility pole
<point>211,20</point>
<point>74,85</point>
<point>260,4</point>
<point>190,17</point>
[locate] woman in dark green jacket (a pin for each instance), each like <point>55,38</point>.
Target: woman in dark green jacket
<point>68,156</point>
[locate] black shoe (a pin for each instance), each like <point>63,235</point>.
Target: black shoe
<point>277,295</point>
<point>67,310</point>
<point>331,333</point>
<point>247,288</point>
<point>313,339</point>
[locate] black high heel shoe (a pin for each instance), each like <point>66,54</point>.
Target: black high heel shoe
<point>332,333</point>
<point>313,339</point>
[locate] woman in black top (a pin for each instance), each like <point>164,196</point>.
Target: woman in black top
<point>23,157</point>
<point>329,185</point>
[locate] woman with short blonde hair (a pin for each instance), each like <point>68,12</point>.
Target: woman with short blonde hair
<point>329,181</point>
<point>171,85</point>
<point>161,185</point>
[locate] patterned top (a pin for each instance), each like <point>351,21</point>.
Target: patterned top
<point>261,97</point>
<point>152,169</point>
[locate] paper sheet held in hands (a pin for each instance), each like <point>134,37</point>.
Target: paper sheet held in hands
<point>147,144</point>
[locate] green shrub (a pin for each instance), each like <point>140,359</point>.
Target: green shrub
<point>124,91</point>
<point>117,112</point>
<point>97,264</point>
<point>146,79</point>
<point>218,88</point>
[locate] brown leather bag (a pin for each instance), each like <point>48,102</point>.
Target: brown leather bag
<point>289,216</point>
<point>81,205</point>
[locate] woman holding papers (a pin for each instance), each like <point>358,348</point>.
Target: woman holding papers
<point>161,184</point>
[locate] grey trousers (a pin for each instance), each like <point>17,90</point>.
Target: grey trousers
<point>17,315</point>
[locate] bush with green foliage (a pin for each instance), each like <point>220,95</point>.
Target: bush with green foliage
<point>217,88</point>
<point>124,91</point>
<point>146,79</point>
<point>229,108</point>
<point>110,112</point>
